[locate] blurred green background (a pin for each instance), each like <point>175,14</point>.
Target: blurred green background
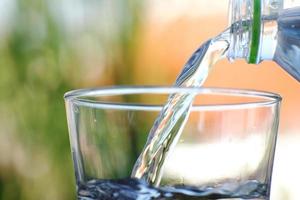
<point>48,47</point>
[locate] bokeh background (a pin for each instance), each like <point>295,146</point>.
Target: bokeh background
<point>51,46</point>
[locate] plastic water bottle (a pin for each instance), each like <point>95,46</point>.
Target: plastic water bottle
<point>266,30</point>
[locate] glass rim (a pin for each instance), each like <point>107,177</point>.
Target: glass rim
<point>76,96</point>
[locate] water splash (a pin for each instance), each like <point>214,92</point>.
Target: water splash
<point>135,189</point>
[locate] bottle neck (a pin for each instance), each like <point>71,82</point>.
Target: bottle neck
<point>253,29</point>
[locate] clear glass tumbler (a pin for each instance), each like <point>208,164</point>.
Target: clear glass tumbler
<point>226,149</point>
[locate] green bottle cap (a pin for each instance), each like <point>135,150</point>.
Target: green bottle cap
<point>256,29</point>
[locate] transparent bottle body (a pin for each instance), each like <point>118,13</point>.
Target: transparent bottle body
<point>279,38</point>
<point>287,53</point>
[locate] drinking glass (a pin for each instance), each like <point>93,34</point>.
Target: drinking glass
<point>226,148</point>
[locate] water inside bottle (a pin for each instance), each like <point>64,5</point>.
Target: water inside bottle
<point>287,53</point>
